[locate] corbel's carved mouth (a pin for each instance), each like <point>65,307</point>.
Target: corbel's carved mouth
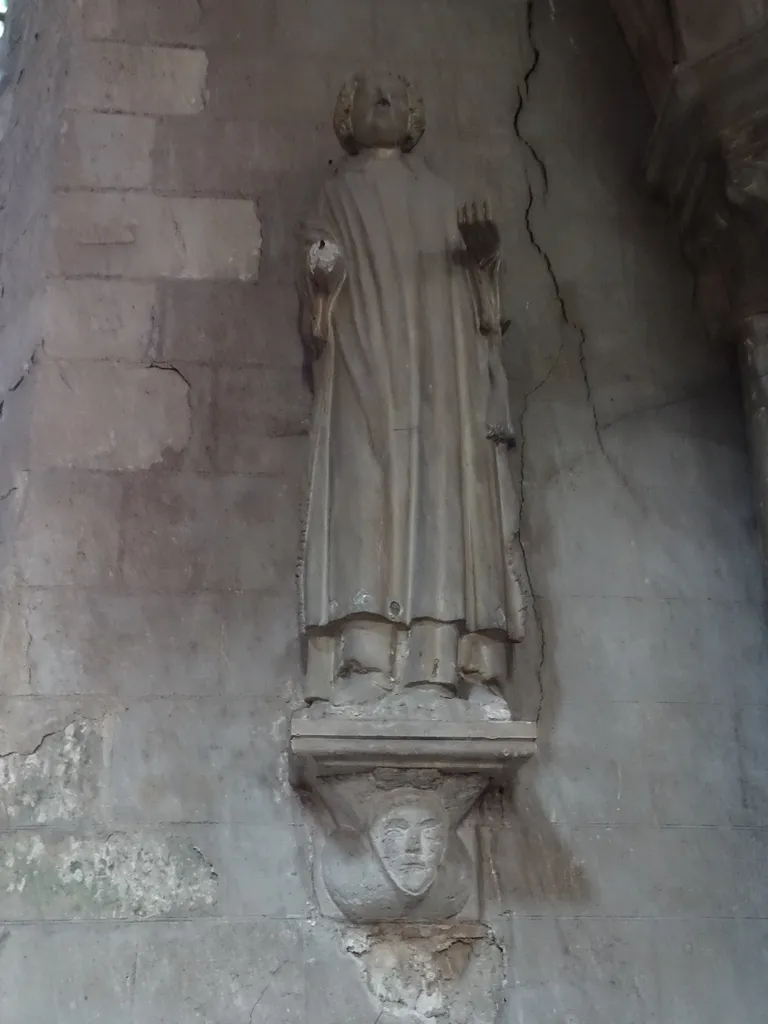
<point>384,102</point>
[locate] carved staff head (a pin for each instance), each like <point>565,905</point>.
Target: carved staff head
<point>378,112</point>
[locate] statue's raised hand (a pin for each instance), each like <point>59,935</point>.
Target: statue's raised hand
<point>480,234</point>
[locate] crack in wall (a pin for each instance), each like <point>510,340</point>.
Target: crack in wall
<point>570,327</point>
<point>523,94</point>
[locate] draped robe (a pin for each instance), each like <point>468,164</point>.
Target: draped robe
<point>411,510</point>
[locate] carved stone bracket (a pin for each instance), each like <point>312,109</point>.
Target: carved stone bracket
<point>393,798</point>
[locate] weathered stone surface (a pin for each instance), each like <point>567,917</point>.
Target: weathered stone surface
<point>706,26</point>
<point>89,972</point>
<point>92,319</point>
<point>711,969</point>
<point>47,876</point>
<point>547,870</point>
<point>138,79</point>
<point>750,730</point>
<point>644,549</point>
<point>201,761</point>
<point>192,22</point>
<point>27,723</point>
<point>253,155</point>
<point>105,415</point>
<point>195,532</point>
<point>58,781</point>
<point>601,645</point>
<point>329,27</point>
<point>240,87</point>
<point>142,236</point>
<point>647,763</point>
<point>449,972</point>
<point>601,970</point>
<point>253,970</point>
<point>263,869</point>
<point>14,641</point>
<point>230,322</point>
<point>256,407</point>
<point>84,641</point>
<point>105,151</point>
<point>441,32</point>
<point>69,531</point>
<point>261,655</point>
<point>20,341</point>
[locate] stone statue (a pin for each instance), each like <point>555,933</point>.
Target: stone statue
<point>409,599</point>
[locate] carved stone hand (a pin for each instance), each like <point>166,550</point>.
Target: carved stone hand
<point>480,234</point>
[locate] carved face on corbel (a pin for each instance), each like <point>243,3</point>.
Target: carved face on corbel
<point>396,853</point>
<point>410,837</point>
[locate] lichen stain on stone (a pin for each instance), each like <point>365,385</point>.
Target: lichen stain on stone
<point>432,972</point>
<point>118,876</point>
<point>55,782</point>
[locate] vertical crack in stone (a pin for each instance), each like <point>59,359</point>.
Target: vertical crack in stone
<point>569,325</point>
<point>523,94</point>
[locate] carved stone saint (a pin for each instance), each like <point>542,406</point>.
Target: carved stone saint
<point>409,599</point>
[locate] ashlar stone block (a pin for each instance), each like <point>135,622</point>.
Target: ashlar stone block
<point>142,236</point>
<point>199,761</point>
<point>256,406</point>
<point>129,79</point>
<point>94,319</point>
<point>189,531</point>
<point>70,528</point>
<point>91,641</point>
<point>105,151</point>
<point>230,322</point>
<point>104,415</point>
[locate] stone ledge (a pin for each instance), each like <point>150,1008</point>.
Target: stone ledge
<point>334,746</point>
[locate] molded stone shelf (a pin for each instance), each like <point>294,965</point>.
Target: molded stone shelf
<point>336,746</point>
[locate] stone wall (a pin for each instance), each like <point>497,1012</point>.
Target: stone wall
<point>154,863</point>
<point>34,56</point>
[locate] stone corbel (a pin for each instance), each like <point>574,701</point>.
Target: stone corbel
<point>393,800</point>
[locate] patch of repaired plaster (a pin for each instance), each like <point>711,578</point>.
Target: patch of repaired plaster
<point>117,876</point>
<point>431,972</point>
<point>58,781</point>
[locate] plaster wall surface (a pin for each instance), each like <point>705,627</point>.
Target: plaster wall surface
<point>155,865</point>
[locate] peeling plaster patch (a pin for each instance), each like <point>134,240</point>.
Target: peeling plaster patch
<point>114,877</point>
<point>431,972</point>
<point>25,722</point>
<point>58,781</point>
